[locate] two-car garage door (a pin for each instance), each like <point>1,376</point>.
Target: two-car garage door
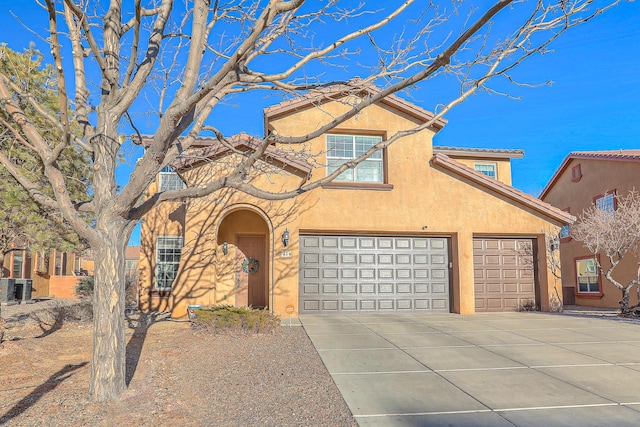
<point>350,273</point>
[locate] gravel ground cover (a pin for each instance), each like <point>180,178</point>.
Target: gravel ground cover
<point>177,377</point>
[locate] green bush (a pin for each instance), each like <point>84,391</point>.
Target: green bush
<point>227,318</point>
<point>84,288</point>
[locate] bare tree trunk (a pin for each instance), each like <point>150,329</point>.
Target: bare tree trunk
<point>108,365</point>
<point>624,302</point>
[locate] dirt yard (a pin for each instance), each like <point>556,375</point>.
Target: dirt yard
<point>177,377</point>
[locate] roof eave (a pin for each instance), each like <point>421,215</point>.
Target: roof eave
<point>512,193</point>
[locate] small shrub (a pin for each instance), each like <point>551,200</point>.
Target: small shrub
<point>227,318</point>
<point>528,305</point>
<point>59,314</point>
<point>84,288</point>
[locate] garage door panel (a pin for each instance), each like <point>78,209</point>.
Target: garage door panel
<point>440,289</point>
<point>312,288</point>
<point>368,288</point>
<point>385,273</point>
<point>373,273</point>
<point>349,288</point>
<point>367,243</point>
<point>330,288</point>
<point>404,288</point>
<point>367,259</point>
<point>403,259</point>
<point>441,304</point>
<point>330,243</point>
<point>385,259</point>
<point>349,305</point>
<point>367,273</point>
<point>420,274</point>
<point>422,288</point>
<point>349,273</point>
<point>349,259</point>
<point>503,273</point>
<point>385,288</point>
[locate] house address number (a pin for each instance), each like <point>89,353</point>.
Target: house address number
<point>286,254</point>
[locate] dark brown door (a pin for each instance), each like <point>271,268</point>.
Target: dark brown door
<point>252,272</point>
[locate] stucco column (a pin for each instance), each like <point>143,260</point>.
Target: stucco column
<point>465,287</point>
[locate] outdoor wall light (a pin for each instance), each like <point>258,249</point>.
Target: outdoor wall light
<point>554,244</point>
<point>285,238</point>
<point>225,248</point>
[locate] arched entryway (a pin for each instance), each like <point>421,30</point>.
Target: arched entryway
<point>246,233</point>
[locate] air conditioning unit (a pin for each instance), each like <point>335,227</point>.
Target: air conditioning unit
<point>7,290</point>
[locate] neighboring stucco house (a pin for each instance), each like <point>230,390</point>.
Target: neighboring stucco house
<point>53,274</point>
<point>582,180</point>
<point>415,228</point>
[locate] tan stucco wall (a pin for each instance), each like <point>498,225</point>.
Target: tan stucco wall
<point>165,220</point>
<point>598,177</point>
<point>422,195</point>
<point>503,166</point>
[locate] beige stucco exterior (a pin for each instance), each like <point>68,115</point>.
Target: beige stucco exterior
<point>598,174</point>
<point>420,197</point>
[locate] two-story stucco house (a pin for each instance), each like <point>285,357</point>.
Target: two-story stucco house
<point>414,228</point>
<point>585,179</point>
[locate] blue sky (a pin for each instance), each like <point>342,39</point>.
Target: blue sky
<point>593,103</point>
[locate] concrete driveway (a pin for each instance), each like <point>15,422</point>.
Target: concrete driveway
<point>503,369</point>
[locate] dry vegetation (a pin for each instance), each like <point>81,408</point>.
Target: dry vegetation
<point>176,376</point>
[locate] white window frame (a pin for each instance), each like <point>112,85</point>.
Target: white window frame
<point>169,180</point>
<point>357,174</point>
<point>479,167</point>
<point>167,263</point>
<point>591,274</point>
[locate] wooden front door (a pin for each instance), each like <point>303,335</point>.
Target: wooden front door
<point>251,283</point>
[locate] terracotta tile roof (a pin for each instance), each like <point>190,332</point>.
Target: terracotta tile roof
<point>132,252</point>
<point>508,191</point>
<point>484,152</point>
<point>610,155</point>
<point>211,148</point>
<point>340,91</point>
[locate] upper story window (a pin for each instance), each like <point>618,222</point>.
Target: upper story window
<point>170,180</point>
<point>342,148</point>
<point>576,173</point>
<point>587,276</point>
<point>606,202</point>
<point>489,169</point>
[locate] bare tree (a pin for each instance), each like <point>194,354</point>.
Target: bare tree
<point>553,264</point>
<point>615,235</point>
<point>182,60</point>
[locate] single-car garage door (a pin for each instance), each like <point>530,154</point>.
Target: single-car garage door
<point>373,273</point>
<point>504,273</point>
